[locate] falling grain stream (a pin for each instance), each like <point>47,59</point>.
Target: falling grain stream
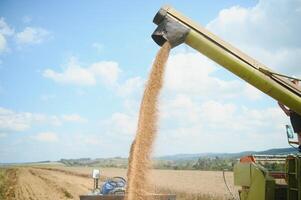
<point>141,149</point>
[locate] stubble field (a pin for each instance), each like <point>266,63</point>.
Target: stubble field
<point>41,182</point>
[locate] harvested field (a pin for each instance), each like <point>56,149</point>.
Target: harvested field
<point>8,178</point>
<point>41,183</point>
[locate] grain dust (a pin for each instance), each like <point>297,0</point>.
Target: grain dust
<point>139,160</point>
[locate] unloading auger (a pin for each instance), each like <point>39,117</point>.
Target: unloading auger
<point>177,29</point>
<point>257,183</point>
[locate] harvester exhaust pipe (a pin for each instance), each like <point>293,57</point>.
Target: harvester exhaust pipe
<point>168,30</point>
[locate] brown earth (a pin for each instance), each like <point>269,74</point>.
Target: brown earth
<point>42,183</point>
<point>11,178</point>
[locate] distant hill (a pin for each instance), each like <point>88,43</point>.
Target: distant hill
<point>31,163</point>
<point>201,161</point>
<point>158,161</point>
<point>178,157</point>
<point>102,162</point>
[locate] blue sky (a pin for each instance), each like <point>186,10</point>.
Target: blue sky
<point>72,76</point>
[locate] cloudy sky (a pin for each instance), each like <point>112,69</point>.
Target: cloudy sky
<point>72,74</point>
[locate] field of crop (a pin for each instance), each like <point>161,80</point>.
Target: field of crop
<point>41,182</point>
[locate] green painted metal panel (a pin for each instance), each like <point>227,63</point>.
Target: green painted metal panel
<point>242,174</point>
<point>255,182</point>
<point>257,188</point>
<point>243,70</point>
<point>293,170</point>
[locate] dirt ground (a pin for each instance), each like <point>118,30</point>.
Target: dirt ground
<point>41,183</point>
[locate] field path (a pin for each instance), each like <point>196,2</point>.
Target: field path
<point>42,184</point>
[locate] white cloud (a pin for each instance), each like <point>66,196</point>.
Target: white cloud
<point>32,35</point>
<point>80,92</point>
<point>121,124</point>
<point>107,71</point>
<point>5,29</point>
<point>194,74</point>
<point>74,118</point>
<point>269,31</point>
<point>88,139</point>
<point>131,86</point>
<point>47,97</point>
<point>12,121</point>
<point>46,137</point>
<point>98,47</point>
<point>92,140</point>
<point>26,19</point>
<point>2,135</point>
<point>2,43</point>
<point>252,93</point>
<point>216,126</point>
<point>74,74</point>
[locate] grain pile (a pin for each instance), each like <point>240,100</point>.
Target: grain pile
<point>139,160</point>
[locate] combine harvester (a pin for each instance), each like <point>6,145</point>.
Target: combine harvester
<point>256,182</point>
